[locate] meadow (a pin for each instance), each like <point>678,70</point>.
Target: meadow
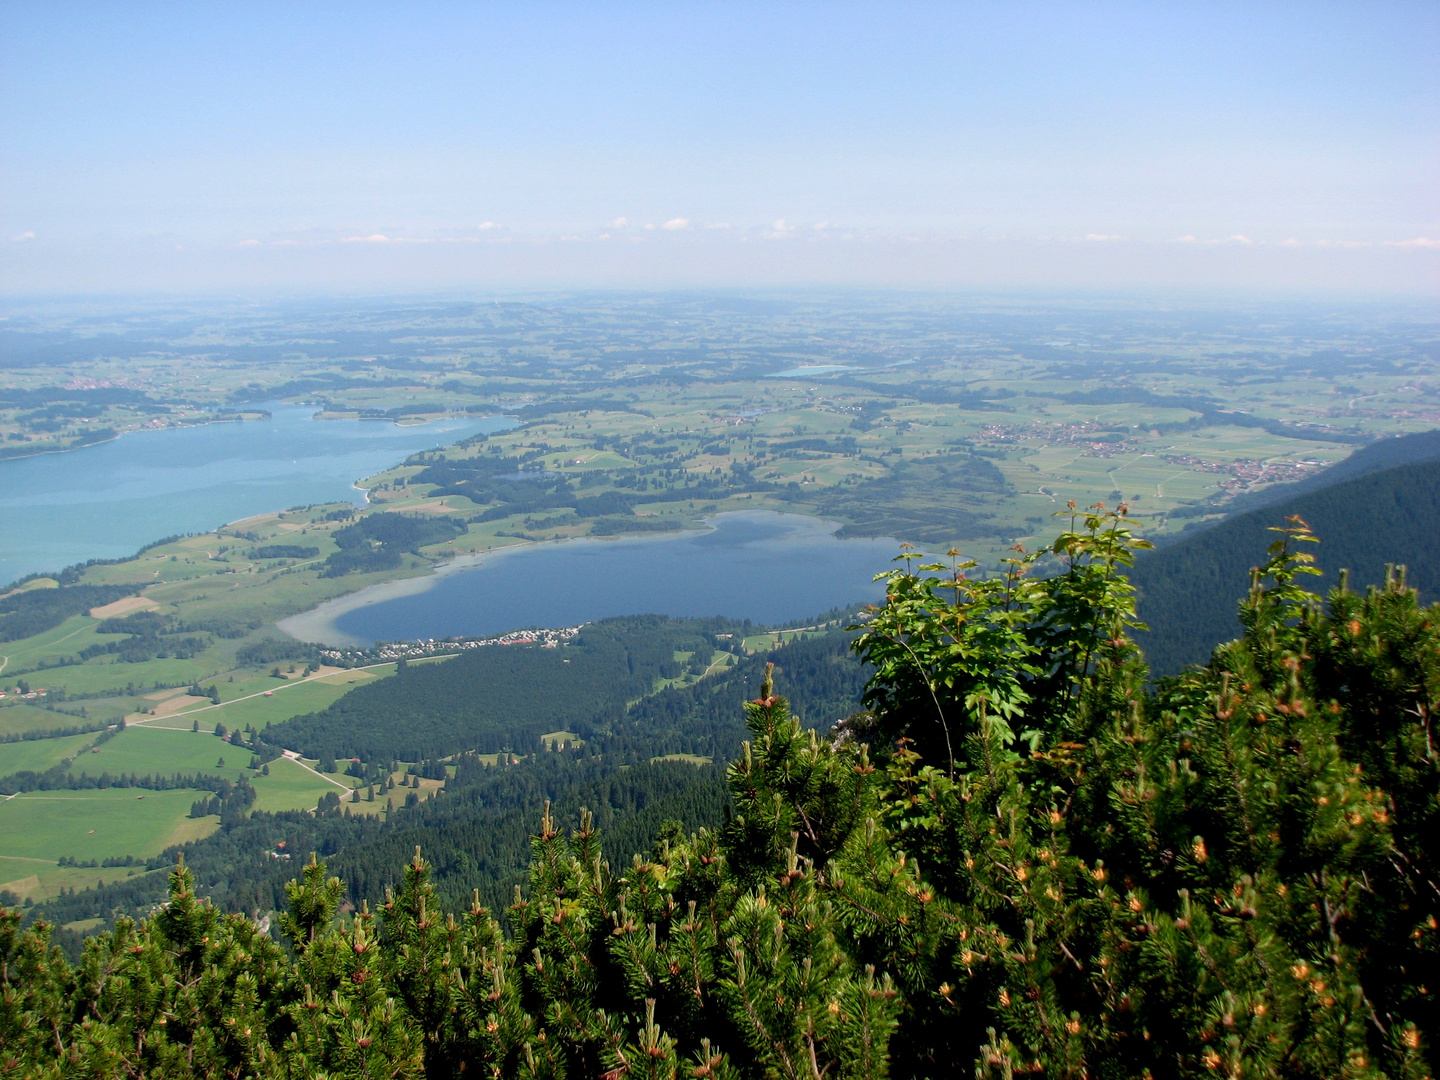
<point>98,824</point>
<point>38,828</point>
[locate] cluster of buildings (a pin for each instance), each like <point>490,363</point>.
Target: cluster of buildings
<point>415,650</point>
<point>1242,474</point>
<point>1098,440</point>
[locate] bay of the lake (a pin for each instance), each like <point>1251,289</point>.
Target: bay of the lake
<point>760,565</point>
<point>105,501</point>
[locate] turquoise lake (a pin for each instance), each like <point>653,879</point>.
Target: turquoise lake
<point>108,500</point>
<point>760,565</point>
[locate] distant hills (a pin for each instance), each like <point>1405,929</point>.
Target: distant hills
<point>1382,505</point>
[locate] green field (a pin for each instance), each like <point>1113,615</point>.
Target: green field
<point>766,642</point>
<point>145,750</point>
<point>40,754</point>
<point>257,710</point>
<point>108,675</point>
<point>34,880</point>
<point>57,641</point>
<point>17,719</point>
<point>289,787</point>
<point>688,759</point>
<point>98,824</point>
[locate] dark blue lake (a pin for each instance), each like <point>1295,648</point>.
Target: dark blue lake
<point>758,565</point>
<point>105,501</point>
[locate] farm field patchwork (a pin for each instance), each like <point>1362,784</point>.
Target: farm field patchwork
<point>116,822</point>
<point>932,420</point>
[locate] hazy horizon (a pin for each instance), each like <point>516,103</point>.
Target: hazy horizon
<point>387,149</point>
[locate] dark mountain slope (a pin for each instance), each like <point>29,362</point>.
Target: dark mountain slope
<point>1377,457</point>
<point>1188,589</point>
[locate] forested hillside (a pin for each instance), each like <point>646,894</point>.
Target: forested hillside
<point>1020,861</point>
<point>1187,589</point>
<point>501,698</point>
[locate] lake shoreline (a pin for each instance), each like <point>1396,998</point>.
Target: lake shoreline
<point>117,435</point>
<point>765,553</point>
<point>68,509</point>
<point>311,626</point>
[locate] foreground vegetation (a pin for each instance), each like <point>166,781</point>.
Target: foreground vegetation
<point>1019,860</point>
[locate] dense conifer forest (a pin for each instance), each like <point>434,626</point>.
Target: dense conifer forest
<point>494,699</point>
<point>1021,858</point>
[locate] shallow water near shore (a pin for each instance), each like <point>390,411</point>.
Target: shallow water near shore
<point>107,500</point>
<point>760,565</point>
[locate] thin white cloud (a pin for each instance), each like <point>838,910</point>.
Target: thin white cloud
<point>1188,238</point>
<point>20,238</point>
<point>1237,238</point>
<point>1102,237</point>
<point>373,238</point>
<point>252,242</point>
<point>676,224</point>
<point>780,230</point>
<point>620,223</point>
<point>719,225</point>
<point>486,226</point>
<point>1418,242</point>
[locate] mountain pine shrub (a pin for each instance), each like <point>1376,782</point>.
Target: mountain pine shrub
<point>1022,860</point>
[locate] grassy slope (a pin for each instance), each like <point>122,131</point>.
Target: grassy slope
<point>37,755</point>
<point>97,824</point>
<point>19,719</point>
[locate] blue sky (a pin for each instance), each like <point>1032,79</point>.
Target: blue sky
<point>150,146</point>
